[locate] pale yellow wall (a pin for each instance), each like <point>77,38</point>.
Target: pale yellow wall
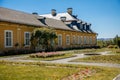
<point>75,33</point>
<point>18,35</point>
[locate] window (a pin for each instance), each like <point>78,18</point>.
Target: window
<point>79,40</point>
<point>76,42</point>
<point>90,39</point>
<point>67,40</point>
<point>59,40</point>
<point>8,38</point>
<point>85,40</point>
<point>73,39</point>
<point>27,38</point>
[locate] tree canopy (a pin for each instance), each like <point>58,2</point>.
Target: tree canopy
<point>43,38</point>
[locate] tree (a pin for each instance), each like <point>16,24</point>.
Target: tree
<point>43,38</point>
<point>117,40</point>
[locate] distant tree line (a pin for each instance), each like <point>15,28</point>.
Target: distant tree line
<point>115,42</point>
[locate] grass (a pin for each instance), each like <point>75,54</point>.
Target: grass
<point>101,59</point>
<point>114,58</point>
<point>115,51</point>
<point>30,72</point>
<point>91,50</point>
<point>66,55</point>
<point>43,71</point>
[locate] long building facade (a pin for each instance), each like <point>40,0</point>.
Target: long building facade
<point>16,28</point>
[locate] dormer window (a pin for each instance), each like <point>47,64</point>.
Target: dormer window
<point>63,18</point>
<point>42,20</point>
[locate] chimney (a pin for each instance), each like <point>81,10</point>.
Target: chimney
<point>35,13</point>
<point>63,18</point>
<point>69,11</point>
<point>53,12</point>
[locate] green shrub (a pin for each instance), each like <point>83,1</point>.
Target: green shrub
<point>47,54</point>
<point>110,46</point>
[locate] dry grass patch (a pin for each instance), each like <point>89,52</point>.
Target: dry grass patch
<point>41,71</point>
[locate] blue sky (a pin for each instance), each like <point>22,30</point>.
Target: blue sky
<point>103,14</point>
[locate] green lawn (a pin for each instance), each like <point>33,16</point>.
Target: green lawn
<point>43,71</point>
<point>91,50</point>
<point>100,58</point>
<point>33,72</point>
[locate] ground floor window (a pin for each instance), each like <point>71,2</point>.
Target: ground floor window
<point>74,40</point>
<point>67,40</point>
<point>85,40</point>
<point>27,38</point>
<point>79,40</point>
<point>90,39</point>
<point>8,38</point>
<point>59,40</point>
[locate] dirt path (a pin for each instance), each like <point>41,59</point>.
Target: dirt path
<point>62,61</point>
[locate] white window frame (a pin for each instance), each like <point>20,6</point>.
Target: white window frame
<point>28,38</point>
<point>85,40</point>
<point>67,40</point>
<point>73,39</point>
<point>7,46</point>
<point>91,42</point>
<point>59,40</point>
<point>79,40</point>
<point>76,42</point>
<point>88,40</point>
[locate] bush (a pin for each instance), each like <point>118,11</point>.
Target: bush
<point>16,52</point>
<point>116,46</point>
<point>110,46</point>
<point>113,46</point>
<point>48,54</point>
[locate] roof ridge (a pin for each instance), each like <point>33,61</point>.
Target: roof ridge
<point>16,10</point>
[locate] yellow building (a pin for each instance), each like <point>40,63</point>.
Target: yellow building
<point>16,28</point>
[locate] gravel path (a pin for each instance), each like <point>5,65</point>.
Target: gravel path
<point>66,61</point>
<point>62,61</point>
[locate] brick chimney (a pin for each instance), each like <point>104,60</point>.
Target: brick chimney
<point>69,11</point>
<point>53,12</point>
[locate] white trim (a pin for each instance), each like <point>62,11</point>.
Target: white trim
<point>82,40</point>
<point>78,42</point>
<point>68,40</point>
<point>5,38</point>
<point>79,39</point>
<point>85,40</point>
<point>60,43</point>
<point>73,39</point>
<point>25,38</point>
<point>88,40</point>
<point>91,41</point>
